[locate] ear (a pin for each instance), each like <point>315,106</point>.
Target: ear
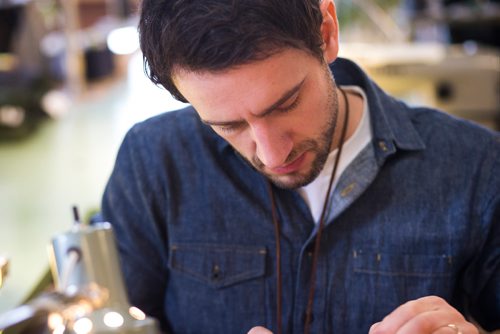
<point>329,31</point>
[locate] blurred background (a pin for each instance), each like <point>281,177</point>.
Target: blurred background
<point>72,84</point>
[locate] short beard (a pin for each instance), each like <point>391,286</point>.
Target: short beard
<point>320,146</point>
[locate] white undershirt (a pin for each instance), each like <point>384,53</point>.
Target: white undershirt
<point>314,193</point>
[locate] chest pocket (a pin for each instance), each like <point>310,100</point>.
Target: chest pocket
<point>218,266</point>
<point>215,281</point>
<point>385,280</point>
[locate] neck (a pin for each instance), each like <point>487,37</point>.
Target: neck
<point>356,105</point>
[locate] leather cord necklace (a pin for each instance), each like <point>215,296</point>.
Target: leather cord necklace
<point>317,242</point>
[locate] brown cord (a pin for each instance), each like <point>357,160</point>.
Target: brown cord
<point>317,242</point>
<point>322,220</point>
<point>278,258</point>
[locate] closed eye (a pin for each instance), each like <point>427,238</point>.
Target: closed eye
<point>224,128</point>
<point>286,103</point>
<point>228,128</point>
<point>290,105</point>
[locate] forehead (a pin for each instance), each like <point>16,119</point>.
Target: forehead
<point>248,87</point>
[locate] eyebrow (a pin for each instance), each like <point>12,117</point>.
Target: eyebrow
<point>283,98</point>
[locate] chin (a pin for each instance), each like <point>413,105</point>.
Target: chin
<point>291,182</point>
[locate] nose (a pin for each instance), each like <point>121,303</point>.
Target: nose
<point>272,144</point>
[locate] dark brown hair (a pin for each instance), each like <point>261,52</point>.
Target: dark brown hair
<point>213,35</point>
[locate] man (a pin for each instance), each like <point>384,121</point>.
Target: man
<point>223,213</point>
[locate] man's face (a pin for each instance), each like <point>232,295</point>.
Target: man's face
<point>278,113</point>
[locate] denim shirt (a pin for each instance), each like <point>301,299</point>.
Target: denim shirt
<point>416,213</point>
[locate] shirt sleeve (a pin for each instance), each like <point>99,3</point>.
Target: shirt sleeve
<point>482,279</point>
<point>132,203</point>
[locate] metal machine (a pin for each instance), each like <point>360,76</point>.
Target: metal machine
<point>89,295</point>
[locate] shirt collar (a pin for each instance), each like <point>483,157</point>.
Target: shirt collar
<point>390,123</point>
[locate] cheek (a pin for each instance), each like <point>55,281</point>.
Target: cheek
<point>324,111</point>
<point>309,120</point>
<point>314,112</point>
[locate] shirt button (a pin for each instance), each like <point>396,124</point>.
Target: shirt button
<point>309,251</point>
<point>216,273</point>
<point>347,190</point>
<point>382,145</point>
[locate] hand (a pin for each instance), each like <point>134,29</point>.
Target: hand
<point>259,330</point>
<point>427,315</point>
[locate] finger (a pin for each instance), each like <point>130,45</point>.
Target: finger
<point>463,328</point>
<point>446,330</point>
<point>373,327</point>
<point>431,321</point>
<point>260,330</point>
<point>404,313</point>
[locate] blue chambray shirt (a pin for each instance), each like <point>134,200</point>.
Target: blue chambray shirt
<point>416,213</point>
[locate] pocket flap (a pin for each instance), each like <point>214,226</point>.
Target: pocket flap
<point>398,264</point>
<point>218,265</point>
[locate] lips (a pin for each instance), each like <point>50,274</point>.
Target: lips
<point>290,167</point>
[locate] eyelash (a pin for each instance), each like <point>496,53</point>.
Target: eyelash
<point>291,106</point>
<point>226,129</point>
